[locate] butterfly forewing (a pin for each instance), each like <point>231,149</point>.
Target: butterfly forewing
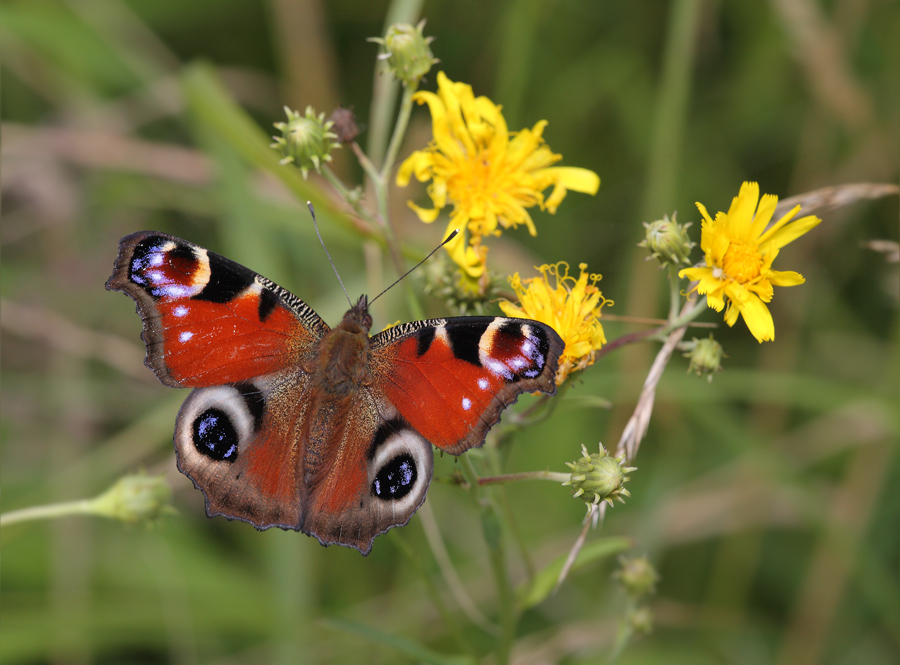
<point>209,320</point>
<point>465,371</point>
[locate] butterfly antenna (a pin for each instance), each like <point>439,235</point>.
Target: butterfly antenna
<point>312,211</point>
<point>446,240</point>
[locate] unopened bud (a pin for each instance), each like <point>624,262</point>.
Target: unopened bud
<point>344,125</point>
<point>668,241</point>
<point>407,51</point>
<point>134,498</point>
<point>706,356</point>
<point>599,477</point>
<point>636,575</point>
<point>306,140</point>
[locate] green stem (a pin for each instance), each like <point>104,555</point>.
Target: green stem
<point>399,540</point>
<point>345,194</point>
<point>624,633</point>
<point>674,292</point>
<point>51,511</point>
<point>492,528</point>
<point>688,315</point>
<point>508,619</point>
<point>399,131</point>
<point>555,476</point>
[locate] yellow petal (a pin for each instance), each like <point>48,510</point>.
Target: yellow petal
<point>785,278</point>
<point>763,215</point>
<point>578,179</point>
<point>782,236</point>
<point>425,214</point>
<point>758,319</point>
<point>740,214</point>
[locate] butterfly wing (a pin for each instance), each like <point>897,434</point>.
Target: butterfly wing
<point>240,445</point>
<point>450,379</point>
<point>208,320</point>
<point>244,343</point>
<point>441,382</point>
<point>373,476</point>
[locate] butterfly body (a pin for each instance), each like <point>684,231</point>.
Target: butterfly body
<point>294,424</point>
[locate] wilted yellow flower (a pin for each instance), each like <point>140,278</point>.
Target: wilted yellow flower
<point>489,175</point>
<point>739,254</point>
<point>570,306</point>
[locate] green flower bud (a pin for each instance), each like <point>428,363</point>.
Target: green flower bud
<point>706,356</point>
<point>306,140</point>
<point>463,294</point>
<point>407,52</point>
<point>640,619</point>
<point>668,241</point>
<point>135,498</point>
<point>599,477</point>
<point>637,575</point>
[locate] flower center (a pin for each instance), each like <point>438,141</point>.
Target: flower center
<point>742,261</point>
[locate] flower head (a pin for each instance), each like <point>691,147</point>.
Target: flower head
<point>599,477</point>
<point>570,306</point>
<point>739,253</point>
<point>306,140</point>
<point>489,175</point>
<point>705,355</point>
<point>637,575</point>
<point>667,241</point>
<point>407,51</point>
<point>134,498</point>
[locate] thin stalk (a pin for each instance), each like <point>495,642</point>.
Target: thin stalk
<point>447,617</point>
<point>555,476</point>
<point>51,511</point>
<point>674,292</point>
<point>624,633</point>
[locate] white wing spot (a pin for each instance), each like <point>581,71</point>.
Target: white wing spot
<point>466,403</point>
<point>180,311</point>
<point>185,336</point>
<point>483,384</point>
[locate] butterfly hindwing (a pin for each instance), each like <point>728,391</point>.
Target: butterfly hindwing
<point>451,378</point>
<point>241,446</point>
<point>208,320</point>
<point>374,476</point>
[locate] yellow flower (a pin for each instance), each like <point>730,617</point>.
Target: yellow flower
<point>739,254</point>
<point>489,175</point>
<point>570,306</point>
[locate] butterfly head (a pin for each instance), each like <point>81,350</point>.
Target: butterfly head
<point>358,319</point>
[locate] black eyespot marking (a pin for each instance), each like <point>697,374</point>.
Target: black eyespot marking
<point>384,430</point>
<point>424,338</point>
<point>464,340</point>
<point>255,401</point>
<point>215,436</point>
<point>227,280</point>
<point>267,302</point>
<point>396,478</point>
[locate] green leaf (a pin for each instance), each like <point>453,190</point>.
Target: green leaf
<point>544,582</point>
<point>412,649</point>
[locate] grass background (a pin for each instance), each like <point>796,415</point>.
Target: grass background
<point>768,499</point>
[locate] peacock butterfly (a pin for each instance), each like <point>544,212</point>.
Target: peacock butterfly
<point>297,425</point>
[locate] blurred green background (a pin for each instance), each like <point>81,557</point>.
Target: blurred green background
<point>768,499</point>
